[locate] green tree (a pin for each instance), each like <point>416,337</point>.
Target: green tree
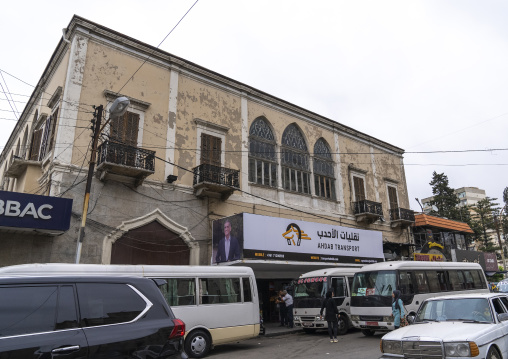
<point>482,220</point>
<point>444,197</point>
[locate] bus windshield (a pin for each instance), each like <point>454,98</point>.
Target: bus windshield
<point>380,283</point>
<point>315,287</point>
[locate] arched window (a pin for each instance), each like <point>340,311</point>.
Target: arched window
<point>324,179</point>
<point>295,161</point>
<point>262,157</point>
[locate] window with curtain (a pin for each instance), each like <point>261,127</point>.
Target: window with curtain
<point>179,291</point>
<point>324,179</point>
<point>219,290</point>
<point>295,161</point>
<point>262,156</point>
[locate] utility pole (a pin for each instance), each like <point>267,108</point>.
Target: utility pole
<point>496,222</point>
<point>91,168</point>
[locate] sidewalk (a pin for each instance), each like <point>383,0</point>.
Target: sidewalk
<point>273,330</point>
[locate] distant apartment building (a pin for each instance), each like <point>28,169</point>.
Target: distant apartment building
<point>468,196</point>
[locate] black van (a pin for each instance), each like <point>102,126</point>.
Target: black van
<point>86,317</point>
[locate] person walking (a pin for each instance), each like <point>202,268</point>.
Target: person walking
<point>288,301</point>
<point>282,310</point>
<point>331,314</point>
<point>397,308</point>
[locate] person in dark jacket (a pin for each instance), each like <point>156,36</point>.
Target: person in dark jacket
<point>330,316</point>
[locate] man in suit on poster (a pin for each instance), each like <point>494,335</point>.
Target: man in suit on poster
<point>229,248</point>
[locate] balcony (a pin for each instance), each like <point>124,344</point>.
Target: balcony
<point>401,217</point>
<point>123,163</point>
<point>19,166</point>
<point>215,181</point>
<point>367,211</point>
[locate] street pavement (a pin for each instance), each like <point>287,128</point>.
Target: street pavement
<point>294,343</point>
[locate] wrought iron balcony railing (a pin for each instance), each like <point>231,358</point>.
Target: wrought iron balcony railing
<point>402,214</point>
<point>120,154</point>
<point>216,176</point>
<point>368,207</point>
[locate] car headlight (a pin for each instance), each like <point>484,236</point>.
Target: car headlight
<point>461,349</point>
<point>391,347</point>
<point>355,318</point>
<point>318,317</point>
<point>296,318</point>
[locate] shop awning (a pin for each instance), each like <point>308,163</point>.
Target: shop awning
<point>269,269</point>
<point>423,220</point>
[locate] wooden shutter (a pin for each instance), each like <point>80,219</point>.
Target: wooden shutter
<point>359,188</point>
<point>51,140</point>
<point>392,197</point>
<point>45,137</point>
<point>211,150</point>
<point>125,129</point>
<point>36,144</point>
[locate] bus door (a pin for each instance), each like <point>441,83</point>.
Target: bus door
<point>340,292</point>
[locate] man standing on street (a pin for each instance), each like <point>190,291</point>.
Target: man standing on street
<point>288,300</point>
<point>229,248</point>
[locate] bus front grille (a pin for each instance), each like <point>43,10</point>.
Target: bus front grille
<point>422,349</point>
<point>371,318</point>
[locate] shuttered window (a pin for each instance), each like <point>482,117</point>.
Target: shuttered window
<point>211,150</point>
<point>125,129</point>
<point>51,141</point>
<point>359,187</point>
<point>392,197</point>
<point>36,144</point>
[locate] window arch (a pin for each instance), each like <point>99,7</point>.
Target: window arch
<point>262,156</point>
<point>295,161</point>
<point>324,179</point>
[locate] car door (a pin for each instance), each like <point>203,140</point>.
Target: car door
<point>40,321</point>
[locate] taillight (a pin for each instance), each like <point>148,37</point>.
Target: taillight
<point>178,330</point>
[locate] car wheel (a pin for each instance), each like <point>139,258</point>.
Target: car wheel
<point>197,344</point>
<point>309,330</point>
<point>343,325</point>
<point>493,354</point>
<point>368,332</point>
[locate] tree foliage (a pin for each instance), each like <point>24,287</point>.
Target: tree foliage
<point>482,221</point>
<point>444,197</point>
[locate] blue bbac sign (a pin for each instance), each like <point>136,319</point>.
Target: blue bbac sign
<point>29,211</point>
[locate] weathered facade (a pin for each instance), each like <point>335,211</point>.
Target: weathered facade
<point>225,147</point>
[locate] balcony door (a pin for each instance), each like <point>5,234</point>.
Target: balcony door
<point>124,133</point>
<point>392,197</point>
<point>359,187</point>
<point>211,150</point>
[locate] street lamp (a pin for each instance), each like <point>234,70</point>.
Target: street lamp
<point>117,109</point>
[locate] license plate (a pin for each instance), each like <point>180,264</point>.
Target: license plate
<point>375,324</point>
<point>307,324</point>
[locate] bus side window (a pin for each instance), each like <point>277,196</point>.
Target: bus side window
<point>453,279</point>
<point>421,282</point>
<point>338,287</point>
<point>405,283</point>
<point>469,279</point>
<point>477,279</point>
<point>442,280</point>
<point>247,293</point>
<point>350,282</point>
<point>462,280</point>
<point>433,281</point>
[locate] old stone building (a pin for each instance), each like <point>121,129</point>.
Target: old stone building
<point>193,147</point>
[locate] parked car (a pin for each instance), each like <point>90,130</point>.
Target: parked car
<point>86,317</point>
<point>455,326</point>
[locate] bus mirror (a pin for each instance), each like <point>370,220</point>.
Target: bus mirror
<point>411,319</point>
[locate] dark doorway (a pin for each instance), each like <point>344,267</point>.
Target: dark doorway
<point>150,244</point>
<point>268,291</point>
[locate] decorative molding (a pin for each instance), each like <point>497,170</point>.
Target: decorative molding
<point>211,126</point>
<point>135,103</point>
<point>56,96</point>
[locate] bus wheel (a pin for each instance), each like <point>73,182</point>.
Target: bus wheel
<point>309,330</point>
<point>343,325</point>
<point>368,332</point>
<point>197,344</point>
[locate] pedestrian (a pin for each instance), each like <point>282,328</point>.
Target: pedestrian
<point>331,314</point>
<point>288,301</point>
<point>397,308</point>
<point>282,310</point>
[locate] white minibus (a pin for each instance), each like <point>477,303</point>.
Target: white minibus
<point>371,296</point>
<point>218,304</point>
<point>309,292</point>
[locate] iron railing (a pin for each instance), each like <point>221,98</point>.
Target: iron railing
<point>125,155</point>
<point>369,207</point>
<point>216,175</point>
<point>397,214</point>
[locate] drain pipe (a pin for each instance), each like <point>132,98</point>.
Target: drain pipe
<point>64,30</point>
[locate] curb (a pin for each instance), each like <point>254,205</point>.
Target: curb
<point>284,332</point>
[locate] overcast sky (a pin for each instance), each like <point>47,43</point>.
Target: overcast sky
<point>421,75</point>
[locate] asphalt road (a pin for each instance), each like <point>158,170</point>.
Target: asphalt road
<point>300,345</point>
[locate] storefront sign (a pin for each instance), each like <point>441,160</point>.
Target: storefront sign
<point>428,257</point>
<point>28,211</point>
<point>276,238</point>
<point>488,261</point>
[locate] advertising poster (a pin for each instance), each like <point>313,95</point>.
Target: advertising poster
<point>227,239</point>
<point>288,239</point>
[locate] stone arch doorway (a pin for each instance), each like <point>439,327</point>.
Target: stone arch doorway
<point>150,244</point>
<point>151,239</point>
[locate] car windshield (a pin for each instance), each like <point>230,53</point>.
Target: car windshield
<point>374,283</point>
<point>502,287</point>
<point>314,287</point>
<point>460,309</point>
